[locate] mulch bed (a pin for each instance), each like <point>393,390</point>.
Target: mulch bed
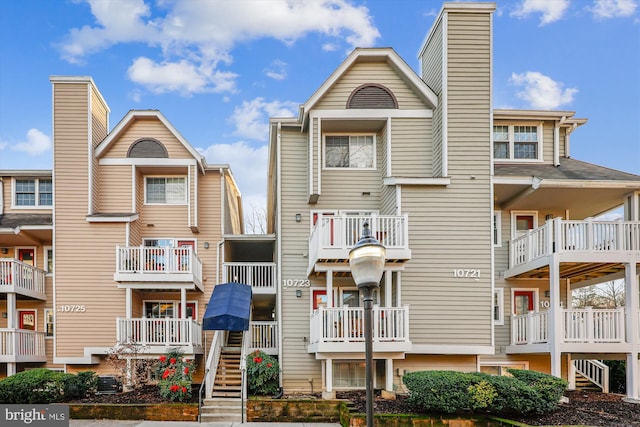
<point>584,408</point>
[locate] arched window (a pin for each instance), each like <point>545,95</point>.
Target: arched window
<point>372,95</point>
<point>148,148</point>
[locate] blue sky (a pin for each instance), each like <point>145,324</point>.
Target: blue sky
<point>218,69</point>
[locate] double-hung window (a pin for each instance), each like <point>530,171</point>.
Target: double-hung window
<point>349,151</point>
<point>165,190</point>
<point>517,142</point>
<point>34,192</point>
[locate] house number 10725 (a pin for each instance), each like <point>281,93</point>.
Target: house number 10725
<point>460,273</point>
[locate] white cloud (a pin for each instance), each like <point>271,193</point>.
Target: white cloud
<point>551,10</point>
<point>251,119</point>
<point>196,36</point>
<point>184,77</point>
<point>277,70</point>
<point>613,8</point>
<point>542,92</point>
<point>249,166</point>
<point>36,143</point>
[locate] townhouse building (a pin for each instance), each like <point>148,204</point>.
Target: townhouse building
<point>488,223</point>
<point>487,220</point>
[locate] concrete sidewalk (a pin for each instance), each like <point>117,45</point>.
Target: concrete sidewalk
<point>141,423</point>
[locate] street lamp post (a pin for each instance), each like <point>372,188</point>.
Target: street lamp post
<point>366,260</point>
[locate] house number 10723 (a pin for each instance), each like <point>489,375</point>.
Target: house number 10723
<point>460,273</point>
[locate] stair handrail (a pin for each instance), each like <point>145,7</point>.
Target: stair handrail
<point>243,370</point>
<point>212,360</point>
<point>595,371</point>
<point>206,371</point>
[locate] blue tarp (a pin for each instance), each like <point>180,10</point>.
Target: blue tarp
<point>229,308</point>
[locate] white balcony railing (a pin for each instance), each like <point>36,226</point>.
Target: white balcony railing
<point>346,324</point>
<point>264,336</point>
<point>158,332</point>
<point>20,345</point>
<point>575,236</point>
<point>157,264</point>
<point>16,276</point>
<point>261,276</point>
<point>333,236</point>
<point>578,326</point>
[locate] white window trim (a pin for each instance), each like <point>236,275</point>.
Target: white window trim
<point>349,134</point>
<point>536,298</point>
<point>185,200</point>
<point>176,304</point>
<point>174,241</point>
<point>348,288</point>
<point>500,297</point>
<point>512,159</point>
<point>497,222</point>
<point>46,310</point>
<point>46,250</point>
<point>514,231</point>
<point>37,194</point>
<point>506,363</point>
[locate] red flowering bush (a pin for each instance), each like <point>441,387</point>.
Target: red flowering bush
<point>175,376</point>
<point>262,374</point>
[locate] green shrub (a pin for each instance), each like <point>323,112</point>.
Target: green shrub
<point>549,388</point>
<point>46,386</point>
<point>439,391</point>
<point>262,374</point>
<point>80,385</point>
<point>451,392</point>
<point>482,395</point>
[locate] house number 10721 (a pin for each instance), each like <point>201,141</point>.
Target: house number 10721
<point>460,273</point>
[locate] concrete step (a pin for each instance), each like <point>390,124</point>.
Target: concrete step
<point>222,417</point>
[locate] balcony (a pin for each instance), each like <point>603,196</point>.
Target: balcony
<point>261,276</point>
<point>22,279</point>
<point>156,336</point>
<point>21,345</point>
<point>341,330</point>
<point>158,264</point>
<point>333,237</point>
<point>584,241</point>
<point>583,330</point>
<point>264,336</point>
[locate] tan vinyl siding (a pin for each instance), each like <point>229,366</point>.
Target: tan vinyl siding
<point>432,76</point>
<point>451,226</point>
<point>298,365</point>
<point>233,208</point>
<point>314,155</point>
<point>148,127</point>
<point>420,362</point>
<point>99,123</point>
<point>114,195</point>
<point>411,148</point>
<point>370,72</point>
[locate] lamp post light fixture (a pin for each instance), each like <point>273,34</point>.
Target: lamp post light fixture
<point>366,260</point>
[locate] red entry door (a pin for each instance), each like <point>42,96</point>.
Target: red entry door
<point>191,310</point>
<point>27,256</point>
<point>319,298</point>
<point>184,260</point>
<point>523,302</point>
<point>27,320</point>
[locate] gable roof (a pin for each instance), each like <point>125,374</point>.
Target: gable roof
<point>387,55</point>
<point>134,115</point>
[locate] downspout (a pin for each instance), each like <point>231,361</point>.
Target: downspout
<point>279,248</point>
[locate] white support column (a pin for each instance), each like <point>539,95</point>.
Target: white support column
<point>12,312</point>
<point>632,307</point>
<point>183,303</point>
<point>388,384</point>
<point>398,289</point>
<point>328,377</point>
<point>571,376</point>
<point>556,321</point>
<point>128,303</point>
<point>329,289</point>
<point>387,288</point>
